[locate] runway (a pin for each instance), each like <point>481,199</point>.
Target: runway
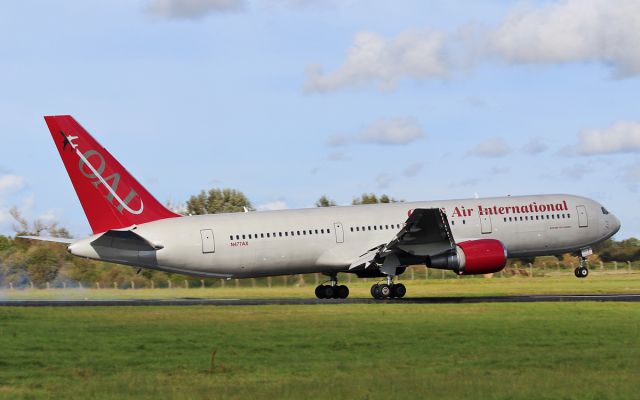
<point>310,301</point>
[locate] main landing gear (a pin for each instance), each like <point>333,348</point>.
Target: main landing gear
<point>388,290</point>
<point>333,290</point>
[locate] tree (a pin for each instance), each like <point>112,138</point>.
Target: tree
<point>324,201</point>
<point>217,201</point>
<point>371,198</point>
<point>24,228</point>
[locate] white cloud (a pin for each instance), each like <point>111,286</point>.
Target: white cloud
<point>621,137</point>
<point>192,9</point>
<point>535,146</point>
<point>566,31</point>
<point>396,131</point>
<point>572,31</point>
<point>375,59</point>
<point>492,148</point>
<point>273,206</point>
<point>9,183</point>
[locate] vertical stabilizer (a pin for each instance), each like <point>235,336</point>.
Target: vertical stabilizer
<point>110,196</point>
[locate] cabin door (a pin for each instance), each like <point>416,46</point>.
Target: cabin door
<point>208,244</point>
<point>485,223</point>
<point>339,232</point>
<point>583,219</point>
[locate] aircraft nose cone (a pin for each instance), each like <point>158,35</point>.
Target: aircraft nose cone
<point>615,224</point>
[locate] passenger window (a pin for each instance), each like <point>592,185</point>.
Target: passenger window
<point>249,236</point>
<point>386,227</point>
<point>322,231</point>
<point>375,228</point>
<point>352,229</point>
<point>297,233</point>
<point>464,222</point>
<point>316,231</point>
<point>304,232</point>
<point>243,237</point>
<point>357,229</point>
<point>231,237</point>
<point>280,233</point>
<point>328,230</point>
<point>268,235</point>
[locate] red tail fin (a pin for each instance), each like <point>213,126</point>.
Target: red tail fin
<point>110,196</point>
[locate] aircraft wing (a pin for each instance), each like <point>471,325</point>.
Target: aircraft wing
<point>425,233</point>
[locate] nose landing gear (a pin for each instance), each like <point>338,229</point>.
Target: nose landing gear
<point>583,271</point>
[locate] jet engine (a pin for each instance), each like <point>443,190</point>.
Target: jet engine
<point>473,257</point>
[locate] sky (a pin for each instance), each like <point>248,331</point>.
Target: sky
<point>288,100</point>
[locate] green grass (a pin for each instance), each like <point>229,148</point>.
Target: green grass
<point>563,283</point>
<point>377,351</point>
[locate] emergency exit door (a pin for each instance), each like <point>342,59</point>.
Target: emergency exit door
<point>208,244</point>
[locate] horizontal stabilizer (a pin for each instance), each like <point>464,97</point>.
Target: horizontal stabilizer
<point>48,239</point>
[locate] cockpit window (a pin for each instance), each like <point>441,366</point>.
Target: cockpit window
<point>604,211</point>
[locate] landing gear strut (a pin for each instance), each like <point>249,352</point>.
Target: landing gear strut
<point>333,290</point>
<point>388,290</point>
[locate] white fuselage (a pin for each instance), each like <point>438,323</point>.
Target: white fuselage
<point>329,239</point>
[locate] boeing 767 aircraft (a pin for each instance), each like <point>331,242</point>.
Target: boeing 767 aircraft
<point>472,236</point>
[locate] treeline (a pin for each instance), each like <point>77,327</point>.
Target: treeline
<point>42,264</point>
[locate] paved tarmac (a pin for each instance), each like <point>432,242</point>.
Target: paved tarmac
<point>310,301</point>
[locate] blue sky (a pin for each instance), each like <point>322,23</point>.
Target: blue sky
<point>288,100</point>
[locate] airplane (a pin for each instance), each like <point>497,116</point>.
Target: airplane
<point>467,236</point>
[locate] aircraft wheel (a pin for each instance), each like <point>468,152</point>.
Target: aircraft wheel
<point>320,292</point>
<point>384,291</point>
<point>575,272</point>
<point>399,290</point>
<point>329,292</point>
<point>583,272</point>
<point>374,289</point>
<point>343,292</point>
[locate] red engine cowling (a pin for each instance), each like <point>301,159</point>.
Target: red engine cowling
<point>482,256</point>
<point>473,257</point>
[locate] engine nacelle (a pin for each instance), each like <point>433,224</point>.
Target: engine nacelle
<point>473,257</point>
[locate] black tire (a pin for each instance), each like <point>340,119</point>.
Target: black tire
<point>373,291</point>
<point>329,292</point>
<point>320,292</point>
<point>343,292</point>
<point>399,290</point>
<point>584,272</point>
<point>576,273</point>
<point>384,291</point>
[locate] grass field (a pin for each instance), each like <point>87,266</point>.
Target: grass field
<point>376,351</point>
<point>566,283</point>
<point>380,351</point>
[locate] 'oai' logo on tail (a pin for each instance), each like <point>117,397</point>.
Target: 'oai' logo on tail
<point>95,174</point>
